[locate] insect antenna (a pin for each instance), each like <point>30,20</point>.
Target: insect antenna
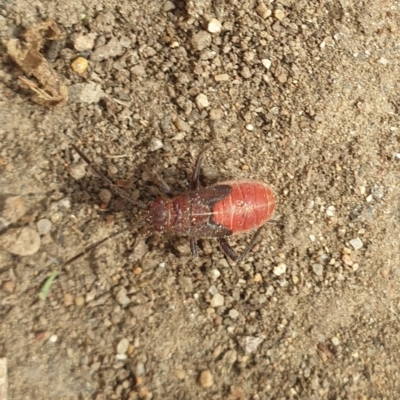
<point>109,182</point>
<point>88,249</point>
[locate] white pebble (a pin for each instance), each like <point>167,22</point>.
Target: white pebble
<point>122,346</point>
<point>249,127</point>
<point>280,269</point>
<point>155,144</point>
<point>44,226</point>
<point>356,243</point>
<point>266,63</point>
<point>369,198</point>
<point>318,269</point>
<point>233,313</point>
<point>213,290</point>
<point>215,273</point>
<point>383,61</point>
<point>53,338</point>
<point>77,171</point>
<point>335,341</point>
<point>217,300</point>
<point>312,238</point>
<point>330,211</point>
<point>121,357</point>
<point>214,26</point>
<point>202,101</point>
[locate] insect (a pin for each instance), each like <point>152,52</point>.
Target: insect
<point>218,211</point>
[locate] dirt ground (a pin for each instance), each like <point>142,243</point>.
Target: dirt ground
<point>302,95</point>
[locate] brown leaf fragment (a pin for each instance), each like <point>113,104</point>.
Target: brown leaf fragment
<point>49,88</point>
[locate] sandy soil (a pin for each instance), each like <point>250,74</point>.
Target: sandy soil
<point>302,95</point>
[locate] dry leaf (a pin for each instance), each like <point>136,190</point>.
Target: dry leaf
<point>49,89</point>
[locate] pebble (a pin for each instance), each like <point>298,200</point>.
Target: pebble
<point>246,73</point>
<point>180,374</point>
<point>122,297</point>
<point>213,290</point>
<point>155,144</point>
<point>21,241</point>
<point>77,171</point>
<point>258,277</point>
<point>202,101</point>
<point>140,370</point>
<point>80,65</point>
<point>214,26</point>
<point>90,93</point>
<point>335,341</point>
<point>84,42</point>
<point>330,211</point>
<point>182,125</point>
<point>266,62</point>
<point>217,300</point>
<point>250,343</point>
<point>279,15</point>
<point>201,40</point>
<point>122,346</point>
<point>68,300</point>
<point>206,379</point>
<point>14,208</point>
<point>138,70</point>
<point>110,50</point>
<point>233,314</point>
<point>8,287</point>
<point>105,195</point>
<point>221,77</point>
<point>80,301</point>
<point>250,127</point>
<point>44,226</point>
<point>318,269</point>
<point>215,273</point>
<point>263,11</point>
<point>347,259</point>
<point>216,114</point>
<point>53,338</point>
<point>356,243</point>
<point>280,269</point>
<point>169,6</point>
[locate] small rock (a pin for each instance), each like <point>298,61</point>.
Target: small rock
<point>105,195</point>
<point>335,341</point>
<point>182,125</point>
<point>280,269</point>
<point>214,26</point>
<point>318,269</point>
<point>266,62</point>
<point>279,15</point>
<point>138,70</point>
<point>110,50</point>
<point>122,346</point>
<point>356,243</point>
<point>246,73</point>
<point>233,314</point>
<point>216,114</point>
<point>217,300</point>
<point>330,211</point>
<point>80,301</point>
<point>221,77</point>
<point>122,297</point>
<point>383,61</point>
<point>140,370</point>
<point>201,40</point>
<point>90,93</point>
<point>258,277</point>
<point>206,379</point>
<point>347,259</point>
<point>44,226</point>
<point>68,300</point>
<point>250,127</point>
<point>202,101</point>
<point>213,290</point>
<point>77,171</point>
<point>215,273</point>
<point>53,338</point>
<point>21,241</point>
<point>84,42</point>
<point>250,343</point>
<point>8,287</point>
<point>155,144</point>
<point>14,208</point>
<point>80,65</point>
<point>169,6</point>
<point>263,11</point>
<point>180,374</point>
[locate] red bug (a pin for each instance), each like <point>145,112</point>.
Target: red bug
<point>224,209</point>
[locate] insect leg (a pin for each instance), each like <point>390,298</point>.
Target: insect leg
<point>163,186</point>
<point>229,252</point>
<point>194,181</point>
<point>193,247</point>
